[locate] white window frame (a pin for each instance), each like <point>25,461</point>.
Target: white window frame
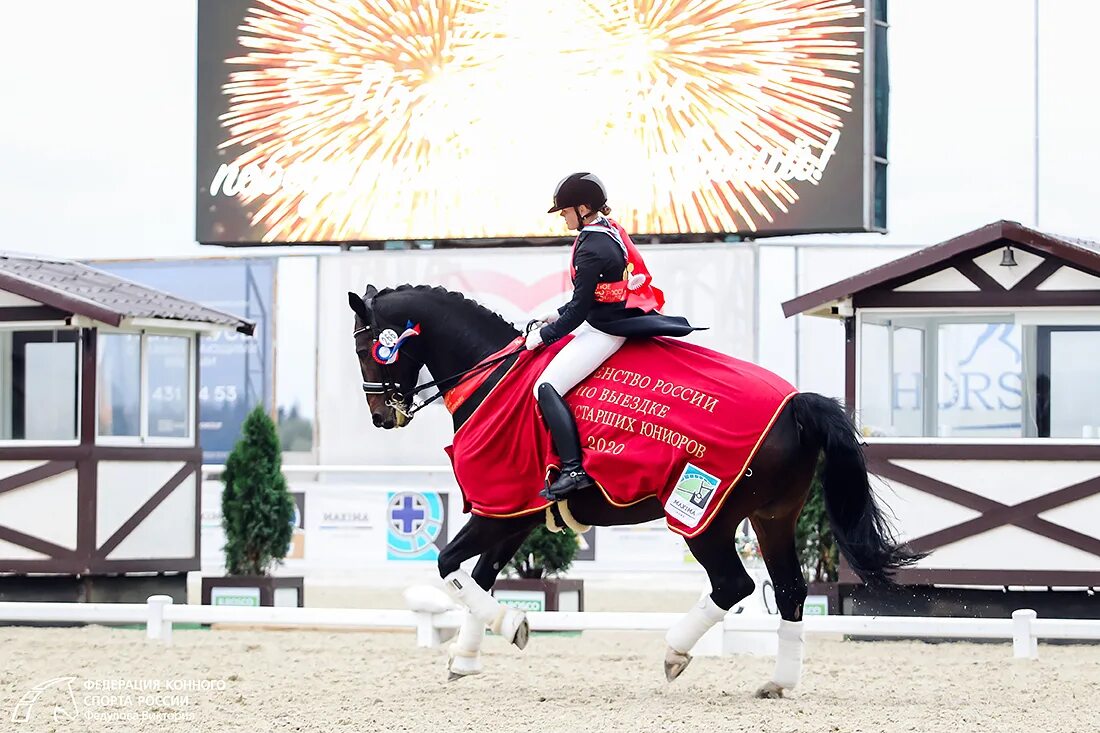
<point>52,326</point>
<point>1070,315</point>
<point>144,439</point>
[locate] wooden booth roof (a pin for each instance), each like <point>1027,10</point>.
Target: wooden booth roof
<point>1052,270</point>
<point>73,288</point>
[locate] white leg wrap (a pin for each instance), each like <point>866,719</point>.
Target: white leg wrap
<point>788,660</point>
<point>465,650</point>
<point>470,636</point>
<point>696,622</point>
<point>483,607</point>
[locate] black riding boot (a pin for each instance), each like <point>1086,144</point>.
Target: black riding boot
<point>563,429</point>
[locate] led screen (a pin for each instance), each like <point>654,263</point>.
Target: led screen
<point>367,120</point>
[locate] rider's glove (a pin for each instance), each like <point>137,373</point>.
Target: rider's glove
<point>549,317</point>
<point>534,339</point>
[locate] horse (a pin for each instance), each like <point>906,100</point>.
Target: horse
<point>454,338</point>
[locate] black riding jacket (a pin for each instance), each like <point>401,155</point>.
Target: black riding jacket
<point>598,258</point>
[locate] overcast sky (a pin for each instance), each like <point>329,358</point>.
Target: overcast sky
<point>97,150</point>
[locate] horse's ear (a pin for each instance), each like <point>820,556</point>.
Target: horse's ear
<point>359,307</point>
<point>370,292</point>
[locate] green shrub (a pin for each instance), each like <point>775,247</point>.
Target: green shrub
<point>814,537</point>
<point>257,509</point>
<point>545,554</point>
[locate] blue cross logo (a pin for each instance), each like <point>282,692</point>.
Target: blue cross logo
<point>406,517</point>
<point>417,525</point>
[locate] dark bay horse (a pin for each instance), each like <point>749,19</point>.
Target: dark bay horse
<point>457,334</point>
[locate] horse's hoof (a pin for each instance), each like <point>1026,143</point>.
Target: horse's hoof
<point>459,668</point>
<point>462,663</point>
<point>770,691</point>
<point>512,625</point>
<point>675,664</point>
<point>523,634</point>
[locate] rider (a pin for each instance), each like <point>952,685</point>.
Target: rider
<point>613,299</point>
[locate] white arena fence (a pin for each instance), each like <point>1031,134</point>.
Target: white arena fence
<point>159,614</point>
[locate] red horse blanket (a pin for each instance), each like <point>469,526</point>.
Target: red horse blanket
<point>661,417</point>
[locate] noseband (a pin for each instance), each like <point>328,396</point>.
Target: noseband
<point>388,388</point>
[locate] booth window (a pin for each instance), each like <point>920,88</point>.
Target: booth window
<point>39,385</point>
<point>1068,381</point>
<point>1003,375</point>
<point>119,370</point>
<point>167,387</point>
<point>145,386</point>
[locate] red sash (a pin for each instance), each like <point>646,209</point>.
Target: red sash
<point>645,296</point>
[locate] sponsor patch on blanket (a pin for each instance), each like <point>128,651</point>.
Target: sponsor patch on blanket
<point>691,495</point>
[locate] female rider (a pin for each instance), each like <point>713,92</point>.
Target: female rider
<point>613,299</point>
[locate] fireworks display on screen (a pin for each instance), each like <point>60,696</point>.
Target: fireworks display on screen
<point>420,119</point>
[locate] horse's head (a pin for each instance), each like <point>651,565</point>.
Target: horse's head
<point>388,387</point>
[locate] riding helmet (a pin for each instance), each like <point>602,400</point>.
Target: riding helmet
<point>579,188</point>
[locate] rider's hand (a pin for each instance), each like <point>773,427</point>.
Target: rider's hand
<point>534,339</point>
<point>549,317</point>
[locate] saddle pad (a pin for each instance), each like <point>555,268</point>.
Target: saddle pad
<point>661,418</point>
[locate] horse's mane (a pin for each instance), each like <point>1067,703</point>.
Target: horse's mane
<point>453,298</point>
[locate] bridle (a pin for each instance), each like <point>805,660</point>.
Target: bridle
<point>408,404</point>
<point>388,388</point>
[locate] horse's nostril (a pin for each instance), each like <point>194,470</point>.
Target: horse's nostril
<point>388,424</point>
<point>377,421</point>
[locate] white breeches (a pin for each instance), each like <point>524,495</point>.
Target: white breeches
<point>579,358</point>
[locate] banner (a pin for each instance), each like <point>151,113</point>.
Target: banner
<point>323,122</point>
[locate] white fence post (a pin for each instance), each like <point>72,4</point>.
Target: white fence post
<point>156,628</point>
<point>1024,643</point>
<point>427,635</point>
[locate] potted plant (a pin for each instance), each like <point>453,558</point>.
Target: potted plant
<point>534,583</point>
<point>817,548</point>
<point>258,518</point>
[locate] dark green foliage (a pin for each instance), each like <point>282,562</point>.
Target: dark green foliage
<point>295,431</point>
<point>257,510</point>
<point>814,537</point>
<point>544,554</point>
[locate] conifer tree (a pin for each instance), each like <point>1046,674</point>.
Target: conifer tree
<point>545,554</point>
<point>257,509</point>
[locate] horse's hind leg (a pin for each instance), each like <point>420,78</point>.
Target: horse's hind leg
<point>716,551</point>
<point>776,537</point>
<point>480,535</point>
<point>465,650</point>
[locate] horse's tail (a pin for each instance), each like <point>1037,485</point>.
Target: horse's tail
<point>861,530</point>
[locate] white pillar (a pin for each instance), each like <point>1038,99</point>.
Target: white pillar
<point>427,635</point>
<point>1024,643</point>
<point>156,627</point>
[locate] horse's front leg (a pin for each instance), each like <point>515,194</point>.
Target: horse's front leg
<point>465,650</point>
<point>496,540</point>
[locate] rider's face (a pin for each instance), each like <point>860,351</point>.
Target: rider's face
<point>570,215</point>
